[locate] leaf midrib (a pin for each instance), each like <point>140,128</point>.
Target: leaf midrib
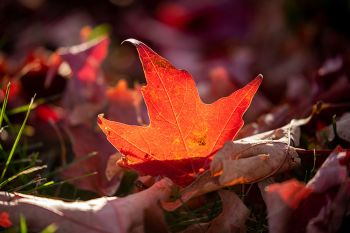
<point>170,101</point>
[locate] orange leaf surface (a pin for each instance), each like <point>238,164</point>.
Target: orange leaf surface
<point>184,132</point>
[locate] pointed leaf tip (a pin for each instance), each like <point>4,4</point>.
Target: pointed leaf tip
<point>99,118</point>
<point>256,82</point>
<point>132,41</point>
<point>259,78</point>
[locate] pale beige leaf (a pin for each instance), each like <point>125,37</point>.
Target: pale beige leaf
<point>107,214</point>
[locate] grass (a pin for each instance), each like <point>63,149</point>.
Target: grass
<point>18,137</point>
<point>23,228</point>
<point>17,166</point>
<point>21,169</point>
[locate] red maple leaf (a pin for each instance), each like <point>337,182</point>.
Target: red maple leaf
<point>5,221</point>
<point>184,132</point>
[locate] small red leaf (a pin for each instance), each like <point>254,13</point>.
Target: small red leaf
<point>5,221</point>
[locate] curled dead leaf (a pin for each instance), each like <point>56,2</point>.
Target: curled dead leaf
<point>106,214</point>
<point>257,157</point>
<point>250,162</point>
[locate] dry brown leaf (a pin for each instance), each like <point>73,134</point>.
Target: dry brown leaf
<point>331,173</point>
<point>331,215</point>
<point>248,162</point>
<point>257,157</point>
<point>281,200</point>
<point>263,184</point>
<point>107,214</point>
<point>276,117</point>
<point>112,168</point>
<point>233,216</point>
<point>203,184</point>
<point>319,206</point>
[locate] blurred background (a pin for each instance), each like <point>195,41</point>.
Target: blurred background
<point>291,42</point>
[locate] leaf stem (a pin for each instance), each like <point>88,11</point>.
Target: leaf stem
<point>322,153</point>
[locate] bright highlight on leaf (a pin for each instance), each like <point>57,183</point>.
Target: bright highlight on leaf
<point>184,132</point>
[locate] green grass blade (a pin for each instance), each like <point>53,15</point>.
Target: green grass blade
<point>22,224</point>
<point>23,108</point>
<point>51,183</point>
<point>9,124</point>
<point>4,103</point>
<point>38,102</point>
<point>76,161</point>
<point>9,158</point>
<point>25,172</point>
<point>50,228</point>
<point>32,182</point>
